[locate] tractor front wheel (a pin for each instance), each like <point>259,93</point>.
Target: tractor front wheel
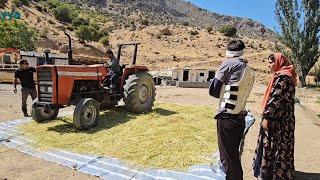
<point>139,93</point>
<point>86,115</point>
<point>39,114</point>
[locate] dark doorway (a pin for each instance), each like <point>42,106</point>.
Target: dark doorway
<point>211,75</point>
<point>185,75</point>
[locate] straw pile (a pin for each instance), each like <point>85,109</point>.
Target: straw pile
<point>171,136</point>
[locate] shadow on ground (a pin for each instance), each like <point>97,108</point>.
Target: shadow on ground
<point>306,176</point>
<point>108,119</point>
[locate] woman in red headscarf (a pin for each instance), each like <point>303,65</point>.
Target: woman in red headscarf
<point>274,155</point>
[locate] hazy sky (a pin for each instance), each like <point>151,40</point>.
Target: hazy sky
<point>260,10</point>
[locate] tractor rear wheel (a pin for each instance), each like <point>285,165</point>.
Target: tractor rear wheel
<point>86,115</point>
<point>39,114</point>
<point>139,93</point>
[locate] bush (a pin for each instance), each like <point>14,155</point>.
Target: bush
<point>17,3</point>
<point>228,30</point>
<point>51,22</point>
<point>53,3</point>
<point>88,33</point>
<point>144,22</point>
<point>25,2</point>
<point>105,41</point>
<point>193,33</point>
<point>185,23</point>
<point>209,29</point>
<point>166,32</point>
<point>63,13</point>
<point>17,35</point>
<point>80,21</point>
<point>44,32</point>
<point>3,3</point>
<point>20,3</point>
<point>39,8</point>
<point>70,28</point>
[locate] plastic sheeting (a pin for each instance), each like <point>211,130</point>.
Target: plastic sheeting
<point>106,168</point>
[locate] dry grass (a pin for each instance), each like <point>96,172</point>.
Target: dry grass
<point>171,137</point>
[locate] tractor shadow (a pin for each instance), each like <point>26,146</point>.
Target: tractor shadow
<point>306,176</point>
<point>108,120</point>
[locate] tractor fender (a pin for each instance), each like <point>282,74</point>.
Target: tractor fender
<point>131,70</point>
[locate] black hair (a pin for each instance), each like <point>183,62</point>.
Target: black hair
<point>109,51</point>
<point>235,45</point>
<point>271,57</point>
<point>23,61</point>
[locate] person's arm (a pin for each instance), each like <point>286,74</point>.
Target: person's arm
<point>220,78</point>
<point>15,81</point>
<point>273,109</point>
<point>33,69</point>
<point>113,63</point>
<point>215,88</point>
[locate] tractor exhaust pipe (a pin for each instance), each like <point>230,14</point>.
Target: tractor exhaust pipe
<point>70,59</point>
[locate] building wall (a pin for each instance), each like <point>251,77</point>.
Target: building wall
<point>194,75</point>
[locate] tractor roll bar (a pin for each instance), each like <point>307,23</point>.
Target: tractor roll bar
<point>135,44</point>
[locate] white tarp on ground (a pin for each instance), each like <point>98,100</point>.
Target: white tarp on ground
<point>106,168</point>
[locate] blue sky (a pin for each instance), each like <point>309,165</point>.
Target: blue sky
<point>260,10</point>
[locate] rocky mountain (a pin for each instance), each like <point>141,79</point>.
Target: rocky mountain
<point>175,12</point>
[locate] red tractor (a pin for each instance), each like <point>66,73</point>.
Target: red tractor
<point>84,86</point>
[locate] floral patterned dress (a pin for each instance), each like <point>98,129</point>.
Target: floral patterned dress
<point>274,155</point>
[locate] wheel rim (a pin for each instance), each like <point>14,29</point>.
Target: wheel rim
<point>90,115</point>
<point>144,93</point>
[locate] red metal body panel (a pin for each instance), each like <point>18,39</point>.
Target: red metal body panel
<point>68,74</point>
<point>63,78</point>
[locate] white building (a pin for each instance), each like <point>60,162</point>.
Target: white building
<point>192,75</point>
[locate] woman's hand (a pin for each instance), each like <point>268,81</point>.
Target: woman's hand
<point>265,124</point>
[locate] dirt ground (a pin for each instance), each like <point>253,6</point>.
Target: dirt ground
<point>16,165</point>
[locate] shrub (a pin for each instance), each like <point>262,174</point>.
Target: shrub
<point>39,8</point>
<point>44,32</point>
<point>38,19</point>
<point>193,33</point>
<point>105,41</point>
<point>228,30</point>
<point>51,22</point>
<point>17,3</point>
<point>63,13</point>
<point>70,28</point>
<point>209,29</point>
<point>17,35</point>
<point>166,32</point>
<point>158,35</point>
<point>144,22</point>
<point>88,33</point>
<point>185,23</point>
<point>80,21</point>
<point>3,3</point>
<point>25,2</point>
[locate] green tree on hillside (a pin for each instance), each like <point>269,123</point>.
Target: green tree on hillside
<point>300,24</point>
<point>63,13</point>
<point>17,35</point>
<point>228,30</point>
